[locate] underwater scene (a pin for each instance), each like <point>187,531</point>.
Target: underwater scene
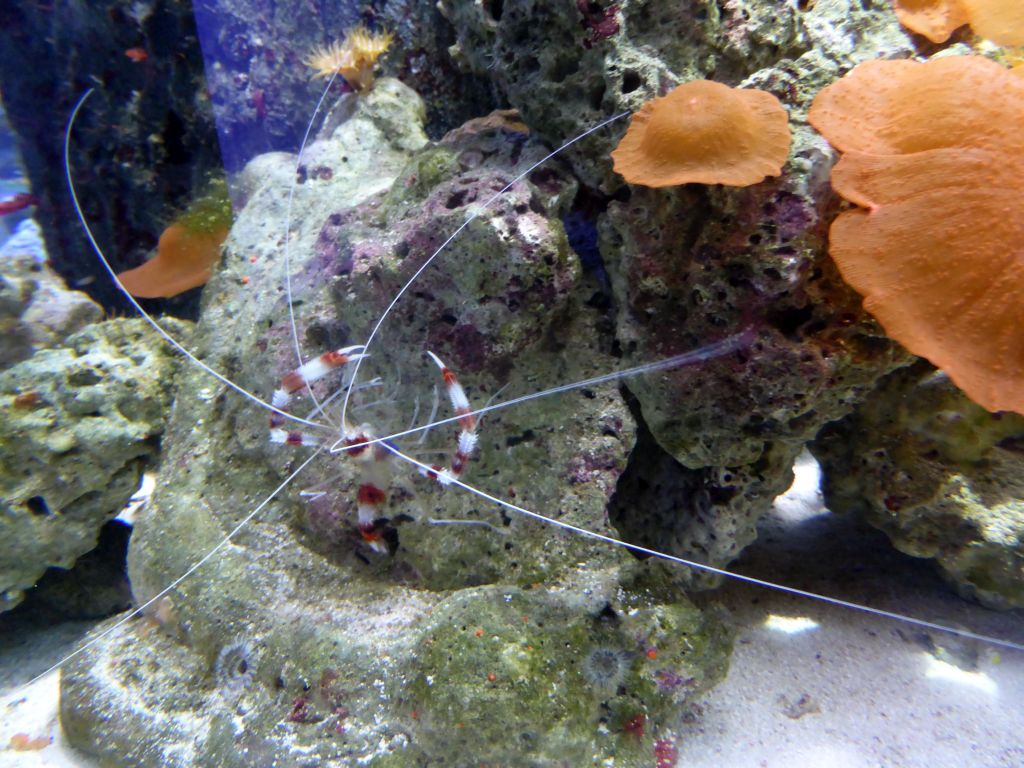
<point>500,383</point>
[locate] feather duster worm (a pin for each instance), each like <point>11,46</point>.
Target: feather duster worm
<point>934,155</point>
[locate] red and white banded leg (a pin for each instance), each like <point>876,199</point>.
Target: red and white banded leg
<point>372,523</point>
<point>467,424</point>
<point>303,376</point>
<point>314,370</point>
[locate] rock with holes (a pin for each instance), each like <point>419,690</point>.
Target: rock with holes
<point>699,265</point>
<point>79,423</point>
<point>37,310</point>
<point>300,641</point>
<point>572,64</point>
<point>940,475</point>
<point>688,266</point>
<point>692,264</point>
<point>707,514</point>
<point>695,264</point>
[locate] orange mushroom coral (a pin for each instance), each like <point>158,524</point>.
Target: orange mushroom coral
<point>1001,21</point>
<point>184,259</point>
<point>934,154</point>
<point>187,250</point>
<point>706,133</point>
<point>935,19</point>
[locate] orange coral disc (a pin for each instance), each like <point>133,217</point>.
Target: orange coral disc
<point>705,133</point>
<point>1001,21</point>
<point>899,107</point>
<point>935,155</point>
<point>183,260</point>
<point>935,19</point>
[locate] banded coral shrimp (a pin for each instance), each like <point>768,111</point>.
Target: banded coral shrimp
<point>450,586</point>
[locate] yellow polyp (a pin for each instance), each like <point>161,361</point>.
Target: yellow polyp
<point>354,58</point>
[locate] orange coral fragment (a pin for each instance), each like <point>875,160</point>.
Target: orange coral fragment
<point>184,260</point>
<point>22,742</point>
<point>935,154</point>
<point>935,19</point>
<point>1001,21</point>
<point>706,133</point>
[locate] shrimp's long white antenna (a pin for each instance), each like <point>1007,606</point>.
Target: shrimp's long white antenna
<point>192,569</point>
<point>700,355</point>
<point>145,315</point>
<point>288,247</point>
<point>476,214</point>
<point>452,480</point>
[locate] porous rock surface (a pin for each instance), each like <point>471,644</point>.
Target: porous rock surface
<point>499,640</point>
<point>940,475</point>
<point>79,422</point>
<point>707,514</point>
<point>37,310</point>
<point>567,66</point>
<point>691,265</point>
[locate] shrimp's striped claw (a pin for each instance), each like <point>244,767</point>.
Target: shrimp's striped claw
<point>314,370</point>
<point>467,421</point>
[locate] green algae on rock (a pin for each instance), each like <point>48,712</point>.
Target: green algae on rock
<point>80,422</point>
<point>511,674</point>
<point>485,674</point>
